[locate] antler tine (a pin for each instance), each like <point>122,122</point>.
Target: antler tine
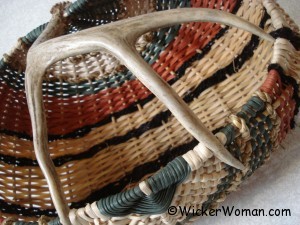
<point>119,39</point>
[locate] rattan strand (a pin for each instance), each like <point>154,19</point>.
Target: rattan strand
<point>224,102</point>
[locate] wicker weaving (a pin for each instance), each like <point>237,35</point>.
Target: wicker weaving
<point>120,154</point>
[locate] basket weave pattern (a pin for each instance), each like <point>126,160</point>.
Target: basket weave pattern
<point>108,132</point>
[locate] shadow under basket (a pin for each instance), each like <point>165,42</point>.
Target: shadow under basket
<point>108,145</point>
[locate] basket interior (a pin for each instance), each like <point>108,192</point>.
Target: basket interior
<point>106,130</point>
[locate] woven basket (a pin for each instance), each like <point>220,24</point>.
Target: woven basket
<point>103,145</point>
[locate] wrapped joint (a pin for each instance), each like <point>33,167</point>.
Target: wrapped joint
<point>145,188</point>
<point>196,157</point>
<point>240,124</point>
<point>278,20</point>
<point>263,96</point>
<point>87,215</point>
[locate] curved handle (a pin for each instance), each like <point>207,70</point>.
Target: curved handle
<point>119,38</point>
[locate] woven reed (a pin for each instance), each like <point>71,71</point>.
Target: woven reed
<point>108,132</point>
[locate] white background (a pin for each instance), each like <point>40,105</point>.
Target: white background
<point>275,185</point>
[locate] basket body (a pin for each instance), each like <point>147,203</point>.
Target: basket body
<point>107,132</point>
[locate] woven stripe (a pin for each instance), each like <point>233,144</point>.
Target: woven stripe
<point>286,110</point>
<point>102,106</point>
<point>72,126</point>
<point>85,130</point>
<point>112,188</point>
<point>287,80</point>
<point>261,126</point>
<point>260,150</point>
<point>261,117</point>
<point>161,37</point>
<point>256,106</point>
<point>157,121</point>
<point>288,34</point>
<point>195,34</point>
<point>83,173</point>
<point>65,90</point>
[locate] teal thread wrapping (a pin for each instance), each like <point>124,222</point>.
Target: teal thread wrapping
<point>54,222</point>
<point>260,150</point>
<point>225,183</point>
<point>259,126</point>
<point>76,7</point>
<point>25,223</point>
<point>229,132</point>
<point>162,38</point>
<point>91,8</point>
<point>66,90</point>
<point>175,172</point>
<point>163,186</point>
<point>249,110</point>
<point>2,64</point>
<point>34,34</point>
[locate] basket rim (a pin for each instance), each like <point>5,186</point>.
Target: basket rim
<point>179,159</point>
